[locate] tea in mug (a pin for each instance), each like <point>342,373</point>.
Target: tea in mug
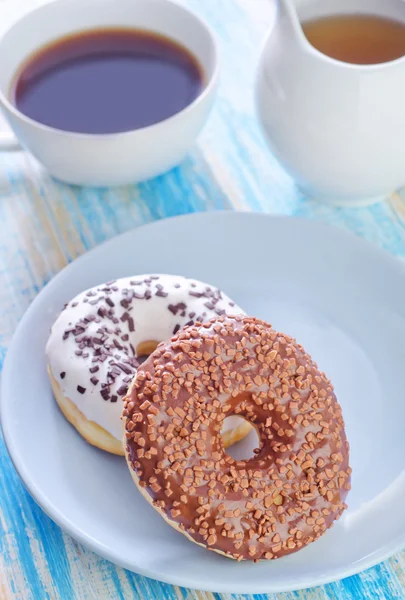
<point>356,38</point>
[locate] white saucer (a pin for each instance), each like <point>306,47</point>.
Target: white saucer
<point>341,297</point>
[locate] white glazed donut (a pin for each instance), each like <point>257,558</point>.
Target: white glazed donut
<point>95,341</point>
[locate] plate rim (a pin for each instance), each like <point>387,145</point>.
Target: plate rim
<point>94,545</point>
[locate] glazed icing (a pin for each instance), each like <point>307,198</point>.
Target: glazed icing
<point>91,350</point>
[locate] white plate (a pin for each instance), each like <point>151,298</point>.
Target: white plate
<point>341,297</point>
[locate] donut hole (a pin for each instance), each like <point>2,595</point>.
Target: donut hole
<point>145,349</point>
<point>245,446</point>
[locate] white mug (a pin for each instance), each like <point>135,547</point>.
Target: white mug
<point>107,159</point>
<point>337,128</point>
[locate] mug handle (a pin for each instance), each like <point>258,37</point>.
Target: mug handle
<point>8,142</point>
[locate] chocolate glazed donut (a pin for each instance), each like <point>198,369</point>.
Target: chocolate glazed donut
<point>290,492</point>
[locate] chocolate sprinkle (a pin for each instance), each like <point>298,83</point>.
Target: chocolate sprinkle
<point>63,375</point>
<point>81,389</point>
<point>124,368</point>
<point>175,308</point>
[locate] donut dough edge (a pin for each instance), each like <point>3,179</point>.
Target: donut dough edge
<point>93,434</point>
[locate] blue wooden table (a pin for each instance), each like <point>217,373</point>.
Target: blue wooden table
<point>44,225</point>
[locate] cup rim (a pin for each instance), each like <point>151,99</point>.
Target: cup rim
<point>206,90</point>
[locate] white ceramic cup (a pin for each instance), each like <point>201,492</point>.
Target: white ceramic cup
<point>337,128</point>
<point>107,159</point>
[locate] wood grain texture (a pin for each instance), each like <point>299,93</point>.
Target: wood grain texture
<point>45,224</point>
